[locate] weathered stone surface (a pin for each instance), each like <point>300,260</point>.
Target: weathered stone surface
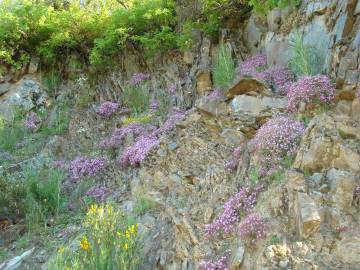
<point>318,7</point>
<point>203,82</point>
<point>274,19</point>
<point>27,94</point>
<point>346,159</point>
<point>4,87</point>
<point>15,262</point>
<point>247,104</point>
<point>255,28</point>
<point>355,110</point>
<point>342,186</point>
<point>33,65</point>
<point>308,217</point>
<point>211,106</point>
<point>348,250</point>
<point>245,85</point>
<point>233,137</point>
<point>237,256</point>
<point>188,57</point>
<point>277,49</point>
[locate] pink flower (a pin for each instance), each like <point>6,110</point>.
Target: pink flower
<point>308,90</point>
<point>219,264</point>
<point>252,228</point>
<point>137,78</point>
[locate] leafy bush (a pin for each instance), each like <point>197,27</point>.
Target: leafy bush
<point>262,7</point>
<point>109,242</point>
<point>306,59</point>
<point>224,71</point>
<point>310,90</point>
<point>277,139</point>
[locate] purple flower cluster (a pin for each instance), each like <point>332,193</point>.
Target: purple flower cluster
<point>278,76</point>
<point>237,206</point>
<point>252,228</point>
<point>215,94</point>
<point>136,153</point>
<point>219,264</point>
<point>61,164</point>
<point>357,191</point>
<point>173,88</point>
<point>277,138</point>
<point>133,129</point>
<point>233,162</point>
<point>253,65</point>
<point>170,123</point>
<point>154,106</point>
<point>85,166</point>
<point>310,89</point>
<point>32,121</point>
<point>98,193</point>
<point>107,108</point>
<point>137,78</point>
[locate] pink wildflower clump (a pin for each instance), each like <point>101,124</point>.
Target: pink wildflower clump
<point>97,193</point>
<point>278,138</point>
<point>136,153</point>
<point>85,166</point>
<point>138,78</point>
<point>219,264</point>
<point>133,129</point>
<point>253,65</point>
<point>107,108</point>
<point>236,207</point>
<point>310,90</point>
<point>173,88</point>
<point>233,162</point>
<point>277,76</point>
<point>175,117</point>
<point>252,228</point>
<point>32,121</point>
<point>215,94</point>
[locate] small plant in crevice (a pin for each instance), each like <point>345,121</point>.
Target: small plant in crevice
<point>224,71</point>
<point>278,138</point>
<point>274,240</point>
<point>252,229</point>
<point>232,163</point>
<point>52,81</point>
<point>310,90</point>
<point>306,59</point>
<point>219,264</point>
<point>234,209</point>
<point>108,108</point>
<point>135,93</point>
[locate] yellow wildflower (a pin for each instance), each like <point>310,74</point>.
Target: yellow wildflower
<point>119,233</point>
<point>93,209</point>
<point>61,250</point>
<point>126,246</point>
<point>127,234</point>
<point>84,244</point>
<point>132,229</point>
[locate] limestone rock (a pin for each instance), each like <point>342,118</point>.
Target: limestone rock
<point>15,262</point>
<point>4,87</point>
<point>346,159</point>
<point>247,104</point>
<point>203,82</point>
<point>308,217</point>
<point>211,106</point>
<point>33,66</point>
<point>27,94</point>
<point>274,19</point>
<point>237,256</point>
<point>348,250</point>
<point>355,110</point>
<point>342,186</point>
<point>245,85</point>
<point>233,137</point>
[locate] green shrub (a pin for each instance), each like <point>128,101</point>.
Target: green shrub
<point>224,71</point>
<point>262,7</point>
<point>136,97</point>
<point>306,60</point>
<point>43,199</point>
<point>109,241</point>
